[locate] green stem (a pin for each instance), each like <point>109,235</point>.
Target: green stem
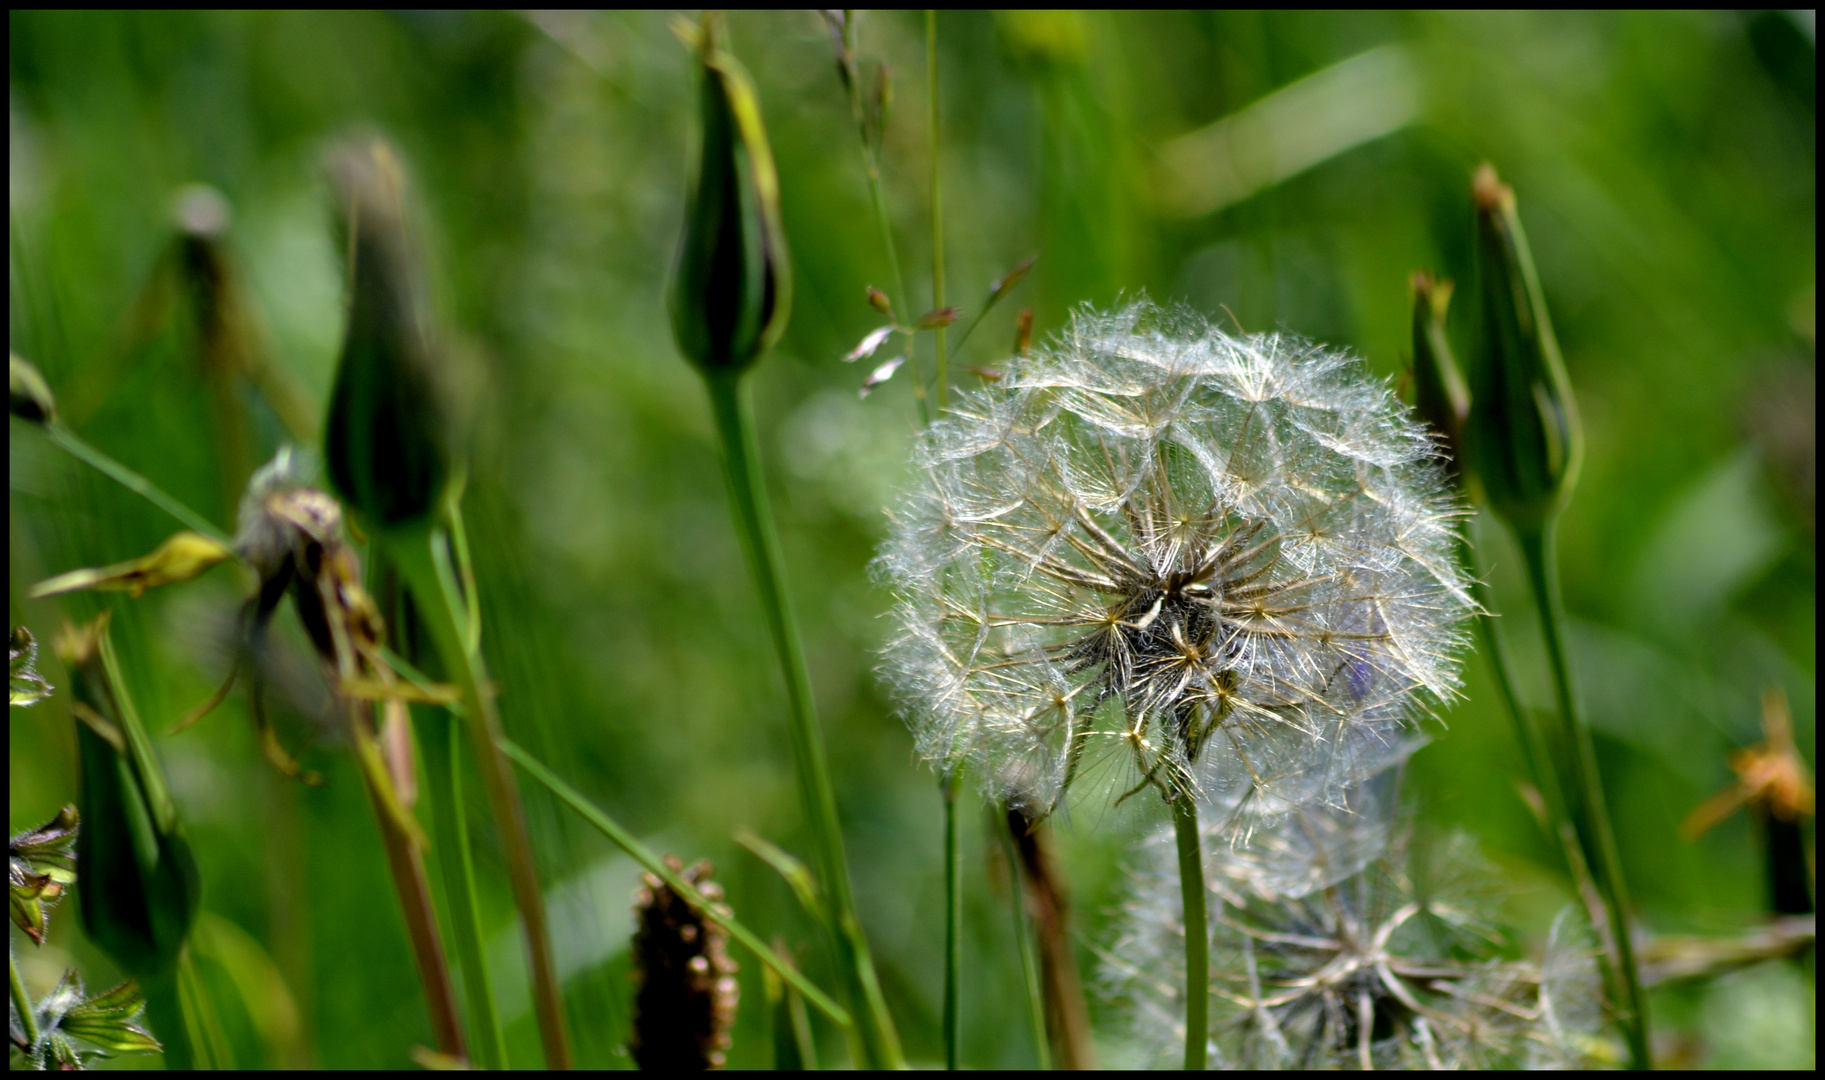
<point>1592,817</point>
<point>443,767</point>
<point>1197,937</point>
<point>73,444</point>
<point>953,928</point>
<point>1023,940</point>
<point>931,93</point>
<point>22,1001</point>
<point>754,520</point>
<point>424,559</point>
<point>640,853</point>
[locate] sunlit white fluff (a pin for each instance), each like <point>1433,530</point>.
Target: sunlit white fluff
<point>1158,554</point>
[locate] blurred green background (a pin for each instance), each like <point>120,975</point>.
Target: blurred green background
<point>1281,170</point>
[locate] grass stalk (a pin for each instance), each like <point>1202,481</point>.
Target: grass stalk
<point>879,1042</point>
<point>443,768</point>
<point>1023,940</point>
<point>76,447</point>
<point>1591,815</point>
<point>425,561</point>
<point>931,94</point>
<point>1197,936</point>
<point>645,856</point>
<point>953,928</point>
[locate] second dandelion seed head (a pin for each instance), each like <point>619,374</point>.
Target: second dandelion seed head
<point>1162,556</point>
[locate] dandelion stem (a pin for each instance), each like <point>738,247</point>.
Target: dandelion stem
<point>443,767</point>
<point>1023,938</point>
<point>76,447</point>
<point>953,928</point>
<point>1592,816</point>
<point>1197,937</point>
<point>22,1001</point>
<point>931,94</point>
<point>424,560</point>
<point>879,1042</point>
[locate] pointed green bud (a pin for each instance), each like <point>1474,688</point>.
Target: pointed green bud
<point>387,438</point>
<point>732,285</point>
<point>140,887</point>
<point>28,395</point>
<point>1439,394</point>
<point>1524,441</point>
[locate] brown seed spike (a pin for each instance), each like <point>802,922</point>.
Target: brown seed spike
<point>685,1004</point>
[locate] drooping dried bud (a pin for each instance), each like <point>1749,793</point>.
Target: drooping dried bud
<point>28,395</point>
<point>1442,399</point>
<point>386,441</point>
<point>732,286</point>
<point>1525,444</point>
<point>140,884</point>
<point>686,1002</point>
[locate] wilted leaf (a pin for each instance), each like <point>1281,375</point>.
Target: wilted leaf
<point>182,557</point>
<point>869,345</point>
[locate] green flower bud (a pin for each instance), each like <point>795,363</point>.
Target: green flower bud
<point>1524,439</point>
<point>140,887</point>
<point>386,441</point>
<point>28,395</point>
<point>732,285</point>
<point>1439,394</point>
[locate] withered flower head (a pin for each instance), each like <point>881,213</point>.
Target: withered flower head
<point>687,997</point>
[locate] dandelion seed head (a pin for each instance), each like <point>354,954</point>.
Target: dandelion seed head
<point>1395,965</point>
<point>1158,555</point>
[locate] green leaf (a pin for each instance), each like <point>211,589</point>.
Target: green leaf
<point>40,867</point>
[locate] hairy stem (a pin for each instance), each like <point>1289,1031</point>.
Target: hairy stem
<point>931,94</point>
<point>953,928</point>
<point>443,769</point>
<point>1197,936</point>
<point>880,1043</point>
<point>22,1001</point>
<point>425,561</point>
<point>1591,816</point>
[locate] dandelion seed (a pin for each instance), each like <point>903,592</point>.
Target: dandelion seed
<point>1155,555</point>
<point>1396,965</point>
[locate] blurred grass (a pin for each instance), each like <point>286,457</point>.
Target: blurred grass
<point>1666,169</point>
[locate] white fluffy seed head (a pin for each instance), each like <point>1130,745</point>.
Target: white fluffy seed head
<point>1395,965</point>
<point>1158,555</point>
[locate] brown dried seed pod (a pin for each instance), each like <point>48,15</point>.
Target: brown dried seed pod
<point>685,1004</point>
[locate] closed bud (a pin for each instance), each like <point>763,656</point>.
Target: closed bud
<point>1524,439</point>
<point>28,395</point>
<point>731,288</point>
<point>1440,395</point>
<point>387,438</point>
<point>140,887</point>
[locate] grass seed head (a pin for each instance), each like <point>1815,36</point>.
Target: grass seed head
<point>686,1002</point>
<point>1158,555</point>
